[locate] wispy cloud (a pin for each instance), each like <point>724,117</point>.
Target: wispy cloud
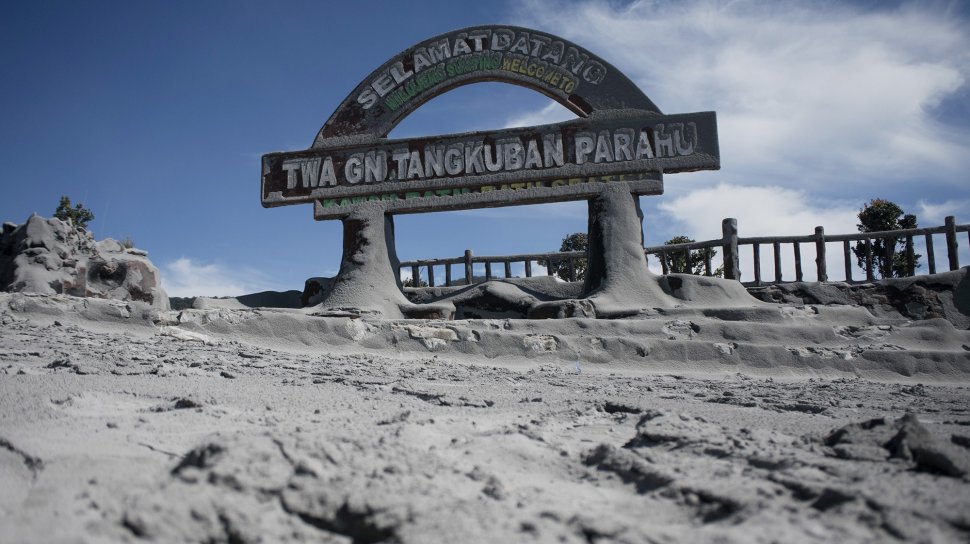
<point>550,113</point>
<point>931,214</point>
<point>185,277</point>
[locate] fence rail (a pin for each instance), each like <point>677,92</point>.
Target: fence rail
<point>729,244</point>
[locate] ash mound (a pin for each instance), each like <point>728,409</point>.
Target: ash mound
<point>50,256</point>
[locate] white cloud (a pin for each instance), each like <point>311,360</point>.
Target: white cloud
<point>185,277</point>
<point>826,93</point>
<point>551,113</point>
<point>760,211</point>
<point>933,214</point>
<point>764,211</point>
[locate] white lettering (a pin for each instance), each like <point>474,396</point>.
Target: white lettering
<point>327,175</point>
<point>513,155</point>
<point>414,165</point>
<point>552,152</point>
<point>604,153</point>
<point>533,159</point>
<point>644,150</point>
<point>584,146</point>
<point>622,140</point>
<point>663,142</point>
<point>453,162</point>
<point>375,166</point>
<point>291,167</point>
<point>473,158</point>
<point>434,161</point>
<point>310,170</point>
<point>493,161</point>
<point>400,156</point>
<point>352,170</point>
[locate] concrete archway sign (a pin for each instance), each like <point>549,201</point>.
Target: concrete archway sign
<point>617,149</point>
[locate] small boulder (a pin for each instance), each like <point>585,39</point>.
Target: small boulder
<point>905,438</point>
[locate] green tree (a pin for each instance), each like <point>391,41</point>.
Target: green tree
<point>409,282</point>
<point>577,241</point>
<point>888,255</point>
<point>79,216</point>
<point>689,262</point>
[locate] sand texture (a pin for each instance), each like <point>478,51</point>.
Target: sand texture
<point>119,422</point>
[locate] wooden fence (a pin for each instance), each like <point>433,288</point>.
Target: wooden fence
<point>729,245</point>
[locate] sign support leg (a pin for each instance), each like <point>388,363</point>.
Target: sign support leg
<point>618,282</point>
<point>368,283</point>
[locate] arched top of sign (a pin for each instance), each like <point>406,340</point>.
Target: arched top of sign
<point>620,135</point>
<point>557,68</point>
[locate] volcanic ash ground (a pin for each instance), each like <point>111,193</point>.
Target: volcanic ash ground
<point>122,423</point>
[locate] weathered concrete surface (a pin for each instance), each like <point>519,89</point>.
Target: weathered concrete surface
<point>367,283</point>
<point>50,256</point>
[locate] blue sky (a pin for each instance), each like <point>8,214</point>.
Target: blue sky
<point>155,115</point>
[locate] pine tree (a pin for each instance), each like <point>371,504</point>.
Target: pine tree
<point>888,255</point>
<point>79,216</point>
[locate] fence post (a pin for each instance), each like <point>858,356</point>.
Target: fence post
<point>729,244</point>
<point>468,267</point>
<point>448,275</point>
<point>756,250</point>
<point>776,252</point>
<point>508,269</point>
<point>910,257</point>
<point>888,257</point>
<point>430,275</point>
<point>415,277</point>
<point>820,264</point>
<point>528,268</point>
<point>847,258</point>
<point>870,273</point>
<point>951,242</point>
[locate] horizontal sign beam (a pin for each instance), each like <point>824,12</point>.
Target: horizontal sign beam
<point>490,196</point>
<point>607,145</point>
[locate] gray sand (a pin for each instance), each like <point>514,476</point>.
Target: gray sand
<point>123,423</point>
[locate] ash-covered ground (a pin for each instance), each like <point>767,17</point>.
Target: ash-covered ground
<point>120,428</point>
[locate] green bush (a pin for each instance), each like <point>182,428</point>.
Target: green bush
<point>79,216</point>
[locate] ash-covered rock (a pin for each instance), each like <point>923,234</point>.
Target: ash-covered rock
<point>50,256</point>
<point>906,439</point>
<point>945,295</point>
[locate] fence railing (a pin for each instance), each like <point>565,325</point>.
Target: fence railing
<point>685,257</point>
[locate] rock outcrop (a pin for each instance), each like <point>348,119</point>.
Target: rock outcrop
<point>945,295</point>
<point>50,256</point>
